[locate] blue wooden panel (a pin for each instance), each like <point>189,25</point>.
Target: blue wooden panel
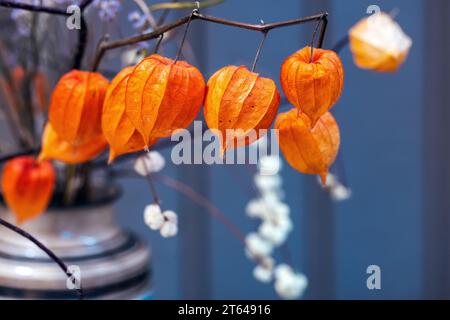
<point>380,119</point>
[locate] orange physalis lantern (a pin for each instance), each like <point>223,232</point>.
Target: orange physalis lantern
<point>54,148</point>
<point>27,186</point>
<point>307,150</point>
<point>120,133</point>
<point>163,95</point>
<point>378,43</point>
<point>312,85</point>
<point>240,100</point>
<point>76,106</point>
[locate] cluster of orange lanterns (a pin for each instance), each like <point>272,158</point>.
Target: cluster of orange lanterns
<point>157,96</point>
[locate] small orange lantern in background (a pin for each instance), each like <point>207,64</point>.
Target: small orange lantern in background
<point>76,106</point>
<point>312,85</point>
<point>310,150</point>
<point>163,95</point>
<point>27,186</point>
<point>241,100</point>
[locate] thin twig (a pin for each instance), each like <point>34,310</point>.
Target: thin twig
<point>201,201</point>
<point>312,40</point>
<point>158,44</point>
<point>149,178</point>
<point>198,16</point>
<point>323,22</point>
<point>191,194</point>
<point>258,53</point>
<point>180,49</point>
<point>323,31</point>
<point>261,27</point>
<point>341,44</point>
<point>49,252</point>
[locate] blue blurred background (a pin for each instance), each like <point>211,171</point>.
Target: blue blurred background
<point>394,219</point>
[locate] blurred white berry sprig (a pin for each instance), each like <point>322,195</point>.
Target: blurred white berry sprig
<point>273,231</point>
<point>156,219</point>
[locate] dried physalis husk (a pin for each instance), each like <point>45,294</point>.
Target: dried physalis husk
<point>76,106</point>
<point>163,95</point>
<point>241,102</point>
<point>308,150</point>
<point>27,186</point>
<point>118,130</point>
<point>312,85</point>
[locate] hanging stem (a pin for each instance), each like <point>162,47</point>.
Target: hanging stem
<point>323,30</point>
<point>258,53</point>
<point>49,252</point>
<point>149,178</point>
<point>312,40</point>
<point>158,44</point>
<point>322,22</point>
<point>180,49</point>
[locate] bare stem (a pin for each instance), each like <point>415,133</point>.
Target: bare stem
<point>323,30</point>
<point>158,44</point>
<point>341,44</point>
<point>49,252</point>
<point>180,49</point>
<point>312,40</point>
<point>201,201</point>
<point>149,178</point>
<point>198,16</point>
<point>258,53</point>
<point>323,22</point>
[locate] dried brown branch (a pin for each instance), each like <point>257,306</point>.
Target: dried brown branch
<point>195,15</point>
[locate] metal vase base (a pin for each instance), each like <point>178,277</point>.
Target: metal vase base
<point>113,263</point>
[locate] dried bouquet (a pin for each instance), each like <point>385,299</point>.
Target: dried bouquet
<point>69,120</point>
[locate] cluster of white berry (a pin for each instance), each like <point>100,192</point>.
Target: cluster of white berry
<point>166,222</point>
<point>156,219</point>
